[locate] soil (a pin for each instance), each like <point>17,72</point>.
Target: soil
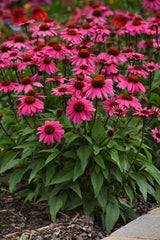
<point>33,223</point>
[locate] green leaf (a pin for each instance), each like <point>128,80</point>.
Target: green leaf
<point>77,170</point>
<point>76,188</point>
<point>115,157</point>
<point>63,175</point>
<point>71,138</point>
<point>28,144</point>
<point>49,174</point>
<point>123,161</point>
<point>15,178</point>
<point>154,172</point>
<point>102,198</point>
<point>129,192</point>
<point>55,203</point>
<point>97,182</point>
<point>141,182</point>
<point>8,161</point>
<point>89,206</point>
<point>52,156</point>
<point>99,160</point>
<point>112,215</point>
<point>36,166</point>
<point>88,138</point>
<point>84,153</point>
<point>106,173</point>
<point>98,131</point>
<point>70,154</point>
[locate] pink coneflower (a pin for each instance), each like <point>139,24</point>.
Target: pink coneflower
<point>128,101</point>
<point>52,130</point>
<point>27,60</point>
<point>145,44</point>
<point>26,84</point>
<point>133,84</point>
<point>3,63</point>
<point>7,86</point>
<point>83,69</point>
<point>115,56</point>
<point>120,110</point>
<point>98,87</point>
<point>100,33</point>
<point>18,15</point>
<point>136,26</point>
<point>156,134</point>
<point>87,29</point>
<point>56,51</point>
<point>29,105</point>
<point>98,15</point>
<point>48,65</point>
<point>45,30</point>
<point>56,79</point>
<point>152,5</point>
<point>76,88</point>
<point>79,109</point>
<point>117,77</point>
<point>83,58</point>
<point>18,42</point>
<point>135,56</point>
<point>151,67</point>
<point>61,90</point>
<point>71,35</point>
<point>143,112</point>
<point>137,70</point>
<point>109,105</point>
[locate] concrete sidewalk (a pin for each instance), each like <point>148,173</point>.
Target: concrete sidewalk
<point>145,227</point>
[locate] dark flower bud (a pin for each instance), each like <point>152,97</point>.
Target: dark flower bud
<point>110,133</point>
<point>59,112</point>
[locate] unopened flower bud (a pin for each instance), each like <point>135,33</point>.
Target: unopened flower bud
<point>110,133</point>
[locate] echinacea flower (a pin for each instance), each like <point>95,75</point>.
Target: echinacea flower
<point>26,84</point>
<point>98,87</point>
<point>83,69</point>
<point>7,86</point>
<point>152,5</point>
<point>45,30</point>
<point>71,35</point>
<point>151,67</point>
<point>137,70</point>
<point>84,57</point>
<point>61,90</point>
<point>128,101</point>
<point>132,83</point>
<point>48,65</point>
<point>143,112</point>
<point>76,88</point>
<point>29,105</point>
<point>115,56</point>
<point>79,109</point>
<point>109,105</point>
<point>52,130</point>
<point>38,13</point>
<point>156,134</point>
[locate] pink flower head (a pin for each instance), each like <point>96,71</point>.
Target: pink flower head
<point>45,30</point>
<point>50,131</point>
<point>56,79</point>
<point>109,105</point>
<point>136,26</point>
<point>18,42</point>
<point>79,109</point>
<point>135,56</point>
<point>132,83</point>
<point>143,112</point>
<point>120,110</point>
<point>137,70</point>
<point>26,84</point>
<point>151,67</point>
<point>71,35</point>
<point>98,87</point>
<point>47,65</point>
<point>61,90</point>
<point>56,51</point>
<point>155,111</point>
<point>156,134</point>
<point>7,86</point>
<point>128,101</point>
<point>29,105</point>
<point>83,58</point>
<point>83,69</point>
<point>76,88</point>
<point>115,56</point>
<point>153,5</point>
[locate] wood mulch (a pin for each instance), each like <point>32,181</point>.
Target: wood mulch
<point>33,221</point>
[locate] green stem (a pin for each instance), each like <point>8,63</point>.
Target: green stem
<point>12,106</point>
<point>95,113</point>
<point>7,134</point>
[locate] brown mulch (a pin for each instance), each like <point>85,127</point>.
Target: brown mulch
<point>33,221</point>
